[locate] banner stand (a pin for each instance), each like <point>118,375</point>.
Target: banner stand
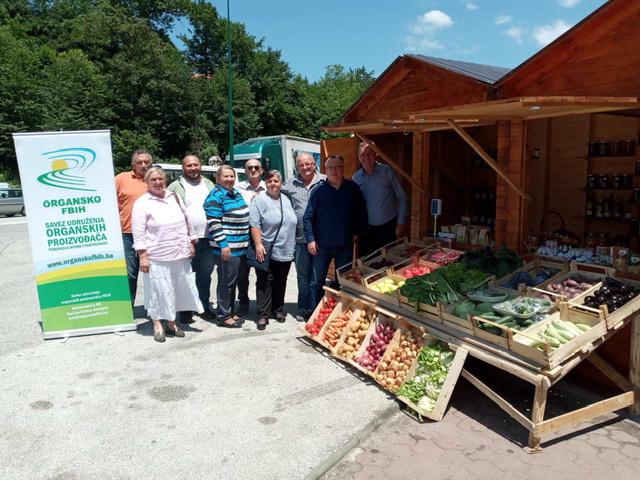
<point>74,229</point>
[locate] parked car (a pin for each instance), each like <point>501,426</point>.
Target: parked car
<point>11,202</point>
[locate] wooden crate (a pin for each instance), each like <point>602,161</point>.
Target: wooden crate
<point>427,256</point>
<point>341,304</point>
<point>466,324</point>
<point>447,388</point>
<point>404,328</point>
<point>613,320</point>
<point>354,307</point>
<point>533,268</point>
<point>376,279</point>
<point>401,268</point>
<point>591,273</point>
<point>380,255</point>
<point>343,275</point>
<point>549,357</point>
<point>408,249</point>
<point>337,351</point>
<point>379,319</point>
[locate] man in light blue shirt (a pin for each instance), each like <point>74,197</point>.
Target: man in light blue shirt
<point>386,201</point>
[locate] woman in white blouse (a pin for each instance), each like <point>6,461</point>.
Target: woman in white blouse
<point>164,239</point>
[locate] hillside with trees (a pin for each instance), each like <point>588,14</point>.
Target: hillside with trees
<point>114,64</point>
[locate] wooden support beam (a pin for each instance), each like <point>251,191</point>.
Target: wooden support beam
<point>634,364</point>
<point>395,166</point>
<point>537,412</point>
<point>610,372</point>
<point>584,414</point>
<point>417,173</point>
<point>498,400</point>
<point>487,158</point>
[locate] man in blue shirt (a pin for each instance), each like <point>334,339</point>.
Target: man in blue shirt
<point>385,198</point>
<point>335,217</point>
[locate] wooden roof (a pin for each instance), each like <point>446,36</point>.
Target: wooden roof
<point>593,67</point>
<point>598,56</point>
<point>413,82</point>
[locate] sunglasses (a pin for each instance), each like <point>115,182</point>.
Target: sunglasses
<point>253,167</point>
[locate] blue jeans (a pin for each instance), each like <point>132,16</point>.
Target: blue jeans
<point>341,256</point>
<point>202,265</point>
<point>133,264</point>
<point>227,279</point>
<point>304,262</point>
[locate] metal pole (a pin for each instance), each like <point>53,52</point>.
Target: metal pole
<point>230,85</point>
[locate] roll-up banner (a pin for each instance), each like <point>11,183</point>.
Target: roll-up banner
<point>74,227</point>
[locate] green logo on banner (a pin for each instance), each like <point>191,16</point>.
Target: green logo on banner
<point>67,168</point>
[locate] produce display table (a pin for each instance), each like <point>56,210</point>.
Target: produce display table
<point>541,377</point>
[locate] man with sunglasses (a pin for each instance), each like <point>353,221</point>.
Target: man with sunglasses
<point>335,217</point>
<point>249,189</point>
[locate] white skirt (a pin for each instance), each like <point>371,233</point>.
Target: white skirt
<point>170,287</point>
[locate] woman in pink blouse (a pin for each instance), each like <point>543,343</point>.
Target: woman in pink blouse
<point>164,240</point>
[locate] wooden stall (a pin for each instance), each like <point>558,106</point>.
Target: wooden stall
<point>559,133</point>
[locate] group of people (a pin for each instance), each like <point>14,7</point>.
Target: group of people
<point>176,234</point>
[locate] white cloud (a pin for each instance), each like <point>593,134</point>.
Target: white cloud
<point>515,33</point>
<point>435,20</point>
<point>423,31</point>
<point>545,34</point>
<point>503,19</point>
<point>568,3</point>
<point>471,6</point>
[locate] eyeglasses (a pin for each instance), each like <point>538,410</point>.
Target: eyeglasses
<point>253,167</point>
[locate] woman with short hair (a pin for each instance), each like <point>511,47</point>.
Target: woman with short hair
<point>164,240</point>
<point>273,231</point>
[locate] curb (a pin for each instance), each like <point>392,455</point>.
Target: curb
<point>355,439</point>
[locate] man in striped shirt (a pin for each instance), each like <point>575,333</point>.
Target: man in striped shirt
<point>228,221</point>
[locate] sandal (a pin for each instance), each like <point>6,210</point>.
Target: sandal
<point>235,324</point>
<point>158,336</point>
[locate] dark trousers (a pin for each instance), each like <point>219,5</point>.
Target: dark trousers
<point>270,288</point>
<point>304,261</point>
<point>243,284</point>
<point>227,280</point>
<point>202,265</point>
<point>377,236</point>
<point>133,264</point>
<point>321,261</point>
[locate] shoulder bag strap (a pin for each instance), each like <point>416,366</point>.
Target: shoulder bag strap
<point>279,227</point>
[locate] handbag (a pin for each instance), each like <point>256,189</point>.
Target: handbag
<point>252,259</point>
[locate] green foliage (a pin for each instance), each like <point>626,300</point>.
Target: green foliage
<point>111,64</point>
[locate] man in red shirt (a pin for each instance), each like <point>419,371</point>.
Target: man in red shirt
<point>130,186</point>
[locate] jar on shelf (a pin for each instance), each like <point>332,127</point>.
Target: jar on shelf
<point>616,180</point>
<point>603,181</point>
<point>627,180</point>
<point>603,148</point>
<point>591,181</point>
<point>618,148</point>
<point>630,148</point>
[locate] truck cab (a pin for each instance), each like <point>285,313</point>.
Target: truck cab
<point>276,152</point>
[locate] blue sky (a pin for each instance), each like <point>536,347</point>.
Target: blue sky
<point>372,33</point>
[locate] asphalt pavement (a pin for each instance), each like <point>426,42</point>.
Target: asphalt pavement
<point>220,403</point>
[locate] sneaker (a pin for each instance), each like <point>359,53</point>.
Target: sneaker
<point>300,318</point>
